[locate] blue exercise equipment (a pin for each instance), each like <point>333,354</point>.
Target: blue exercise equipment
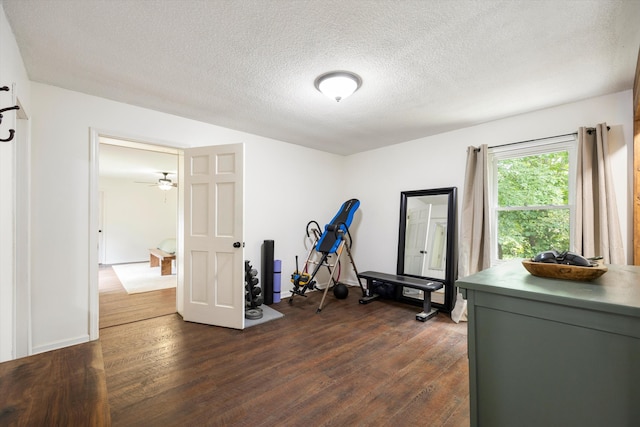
<point>328,246</point>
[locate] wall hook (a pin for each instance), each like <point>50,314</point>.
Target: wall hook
<point>11,132</point>
<point>15,107</point>
<point>7,109</point>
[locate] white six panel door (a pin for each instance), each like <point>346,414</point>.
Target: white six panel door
<point>213,235</point>
<point>416,240</point>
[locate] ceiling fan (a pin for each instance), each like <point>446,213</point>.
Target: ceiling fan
<point>164,183</point>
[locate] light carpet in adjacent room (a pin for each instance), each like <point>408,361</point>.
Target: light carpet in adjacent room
<point>139,277</point>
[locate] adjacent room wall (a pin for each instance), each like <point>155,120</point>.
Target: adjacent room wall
<point>377,177</point>
<point>136,217</point>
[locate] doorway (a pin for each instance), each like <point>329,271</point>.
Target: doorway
<point>209,259</point>
<point>135,213</point>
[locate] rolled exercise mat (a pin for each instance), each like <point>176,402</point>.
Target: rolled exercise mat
<point>267,271</point>
<point>277,276</point>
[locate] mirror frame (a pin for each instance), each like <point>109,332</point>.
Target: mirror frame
<point>451,264</point>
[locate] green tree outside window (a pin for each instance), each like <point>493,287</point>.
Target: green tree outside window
<point>533,204</point>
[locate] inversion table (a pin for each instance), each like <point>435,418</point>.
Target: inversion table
<point>327,245</point>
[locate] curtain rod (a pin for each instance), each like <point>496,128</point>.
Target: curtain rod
<point>589,131</point>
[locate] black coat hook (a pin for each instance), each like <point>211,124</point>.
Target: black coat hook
<point>15,107</point>
<point>11,132</point>
<point>7,109</point>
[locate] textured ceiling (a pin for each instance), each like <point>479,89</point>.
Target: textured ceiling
<point>427,66</point>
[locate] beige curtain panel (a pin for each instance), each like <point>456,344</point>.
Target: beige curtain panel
<point>475,235</point>
<point>597,228</point>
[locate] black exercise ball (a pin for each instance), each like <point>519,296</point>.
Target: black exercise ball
<point>340,291</point>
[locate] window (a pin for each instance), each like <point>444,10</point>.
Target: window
<point>532,189</point>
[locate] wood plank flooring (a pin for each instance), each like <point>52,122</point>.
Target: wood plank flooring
<point>64,387</point>
<point>117,307</point>
<point>352,364</point>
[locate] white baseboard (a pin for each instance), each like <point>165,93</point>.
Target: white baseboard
<point>60,344</point>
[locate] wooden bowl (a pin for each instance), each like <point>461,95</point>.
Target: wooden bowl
<point>564,271</point>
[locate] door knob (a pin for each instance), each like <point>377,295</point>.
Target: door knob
<point>238,244</point>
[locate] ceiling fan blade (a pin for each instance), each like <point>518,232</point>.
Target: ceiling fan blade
<point>164,181</point>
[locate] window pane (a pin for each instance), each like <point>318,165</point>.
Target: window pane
<point>523,234</point>
<point>537,180</point>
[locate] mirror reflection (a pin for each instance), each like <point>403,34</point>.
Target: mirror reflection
<point>426,241</point>
<point>425,236</point>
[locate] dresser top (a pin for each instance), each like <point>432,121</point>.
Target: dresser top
<point>617,291</point>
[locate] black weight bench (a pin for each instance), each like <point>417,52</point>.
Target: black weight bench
<point>426,286</point>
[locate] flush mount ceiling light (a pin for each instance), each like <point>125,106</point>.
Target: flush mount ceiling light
<point>338,84</point>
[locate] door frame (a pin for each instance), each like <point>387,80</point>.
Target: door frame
<point>94,162</point>
<point>15,264</point>
<point>636,165</point>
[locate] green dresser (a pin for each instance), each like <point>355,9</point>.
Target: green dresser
<point>547,352</point>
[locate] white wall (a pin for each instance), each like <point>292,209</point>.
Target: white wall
<point>285,185</point>
<point>13,229</point>
<point>136,217</point>
<point>377,177</point>
<point>289,186</point>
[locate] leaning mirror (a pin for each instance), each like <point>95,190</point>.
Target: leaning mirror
<point>426,241</point>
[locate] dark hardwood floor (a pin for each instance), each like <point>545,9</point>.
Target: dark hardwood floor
<point>352,364</point>
<point>117,307</point>
<point>64,387</point>
<point>67,387</point>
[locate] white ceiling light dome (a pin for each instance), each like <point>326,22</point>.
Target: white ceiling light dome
<point>338,85</point>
